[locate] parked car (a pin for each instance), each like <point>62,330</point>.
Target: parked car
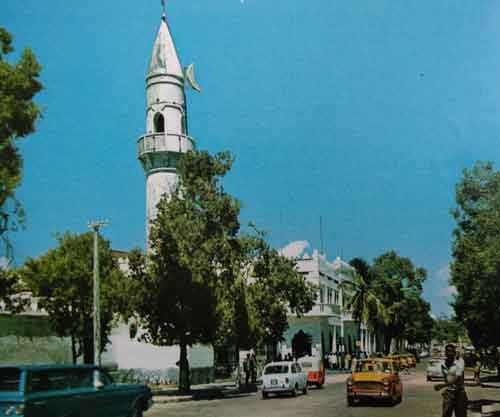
<point>423,354</point>
<point>283,378</point>
<point>315,369</point>
<point>374,379</point>
<point>400,361</point>
<point>410,360</point>
<point>68,390</point>
<point>434,369</point>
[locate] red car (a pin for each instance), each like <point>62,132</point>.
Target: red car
<point>315,369</point>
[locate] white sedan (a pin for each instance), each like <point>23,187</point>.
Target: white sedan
<point>434,369</point>
<point>283,378</point>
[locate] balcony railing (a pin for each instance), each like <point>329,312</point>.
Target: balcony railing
<point>164,142</point>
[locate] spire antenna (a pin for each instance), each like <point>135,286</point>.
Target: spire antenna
<point>164,10</point>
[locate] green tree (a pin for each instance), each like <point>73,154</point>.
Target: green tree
<point>63,279</point>
<point>361,297</point>
<point>399,285</point>
<point>475,270</point>
<point>181,285</point>
<point>19,84</point>
<point>446,330</point>
<point>276,290</point>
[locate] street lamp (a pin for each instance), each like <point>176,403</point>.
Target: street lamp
<point>95,225</point>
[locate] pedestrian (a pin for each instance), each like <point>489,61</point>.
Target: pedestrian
<point>477,368</point>
<point>246,369</point>
<point>355,361</point>
<point>253,368</point>
<point>348,359</point>
<point>279,358</point>
<point>454,395</point>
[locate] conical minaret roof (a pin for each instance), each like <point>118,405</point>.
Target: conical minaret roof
<point>164,59</point>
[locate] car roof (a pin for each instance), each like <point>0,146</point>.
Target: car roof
<point>46,367</point>
<point>280,363</point>
<point>388,360</point>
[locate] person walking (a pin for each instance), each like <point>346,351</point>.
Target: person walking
<point>246,369</point>
<point>348,359</point>
<point>477,368</point>
<point>454,395</point>
<point>253,368</point>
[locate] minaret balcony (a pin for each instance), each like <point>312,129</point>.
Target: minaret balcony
<point>164,142</point>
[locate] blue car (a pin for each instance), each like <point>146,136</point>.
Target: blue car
<point>68,391</point>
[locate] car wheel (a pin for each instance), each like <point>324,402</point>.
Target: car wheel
<point>429,378</point>
<point>265,395</point>
<point>350,402</point>
<point>304,390</point>
<point>137,411</point>
<point>394,398</point>
<point>319,385</point>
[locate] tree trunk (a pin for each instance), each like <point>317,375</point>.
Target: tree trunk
<point>387,343</point>
<point>73,349</point>
<point>358,341</point>
<point>184,383</point>
<point>88,350</point>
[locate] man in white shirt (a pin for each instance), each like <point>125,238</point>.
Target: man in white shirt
<point>454,396</point>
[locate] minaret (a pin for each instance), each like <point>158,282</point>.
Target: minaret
<point>166,122</point>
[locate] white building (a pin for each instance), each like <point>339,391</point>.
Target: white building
<point>328,327</point>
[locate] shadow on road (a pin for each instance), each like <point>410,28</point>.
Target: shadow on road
<point>491,381</point>
<point>211,393</point>
<point>476,405</point>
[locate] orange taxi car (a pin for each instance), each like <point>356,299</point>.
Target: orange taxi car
<point>374,379</point>
<point>400,361</point>
<point>411,360</point>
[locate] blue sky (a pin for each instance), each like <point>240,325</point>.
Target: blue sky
<point>362,112</point>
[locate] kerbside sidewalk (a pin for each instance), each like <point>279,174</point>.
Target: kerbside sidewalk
<point>219,390</point>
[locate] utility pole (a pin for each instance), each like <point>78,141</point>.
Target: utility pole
<point>95,225</point>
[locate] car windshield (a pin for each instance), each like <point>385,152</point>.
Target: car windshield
<point>373,367</point>
<point>276,369</point>
<point>10,379</point>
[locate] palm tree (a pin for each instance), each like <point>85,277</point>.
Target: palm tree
<point>362,300</point>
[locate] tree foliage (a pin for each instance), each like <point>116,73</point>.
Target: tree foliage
<point>193,240</point>
<point>398,285</point>
<point>475,270</point>
<point>446,330</point>
<point>19,84</point>
<point>276,290</point>
<point>63,279</point>
<point>361,297</point>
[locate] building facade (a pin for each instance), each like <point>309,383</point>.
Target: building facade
<point>328,327</point>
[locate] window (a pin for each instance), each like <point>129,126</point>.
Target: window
<point>184,124</point>
<point>159,123</point>
<point>336,297</point>
<point>330,296</point>
<point>82,378</point>
<point>50,380</point>
<point>9,379</point>
<point>276,369</point>
<point>322,295</point>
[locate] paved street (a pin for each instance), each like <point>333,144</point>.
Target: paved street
<point>420,400</point>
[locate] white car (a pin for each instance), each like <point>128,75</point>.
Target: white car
<point>434,369</point>
<point>283,378</point>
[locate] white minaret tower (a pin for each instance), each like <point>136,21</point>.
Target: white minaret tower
<point>166,121</point>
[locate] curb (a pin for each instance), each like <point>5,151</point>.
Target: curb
<point>490,410</point>
<point>166,400</point>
